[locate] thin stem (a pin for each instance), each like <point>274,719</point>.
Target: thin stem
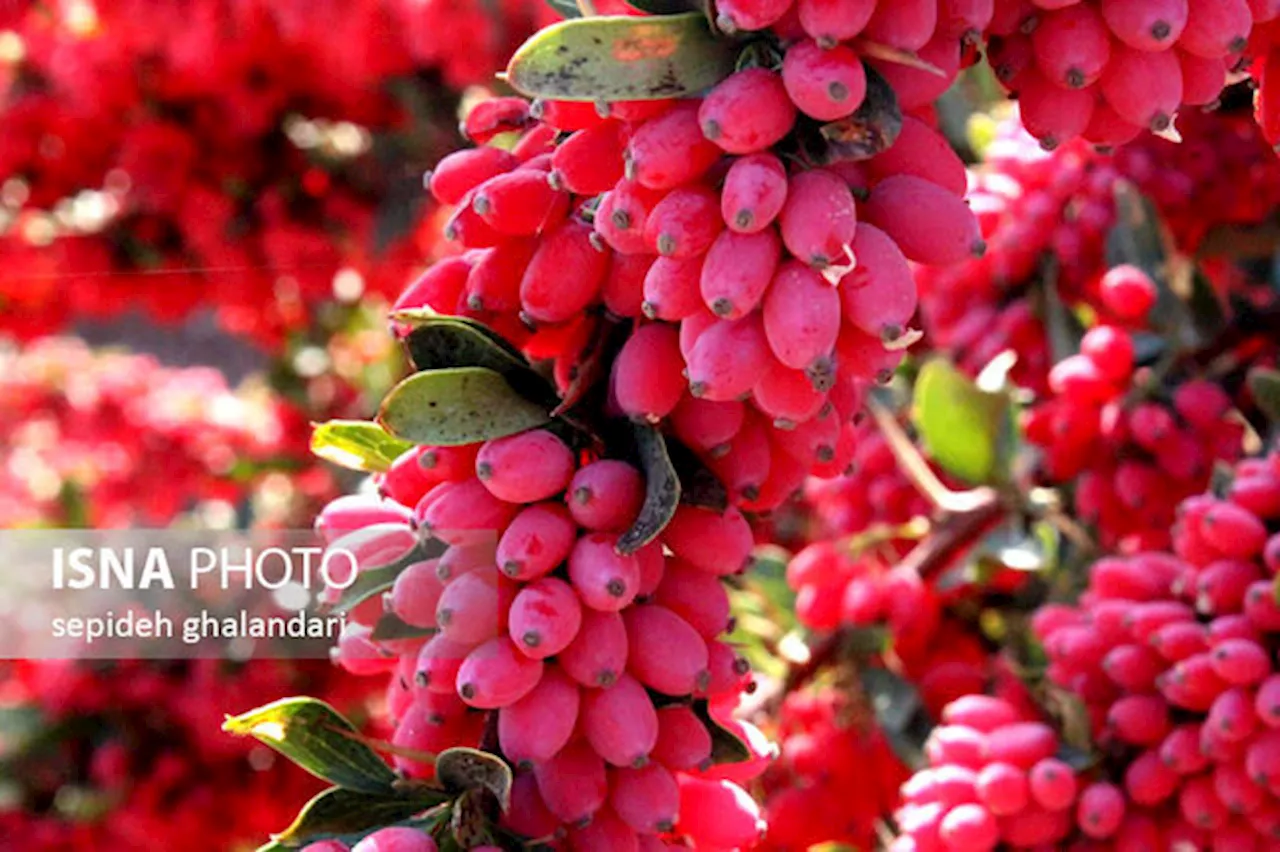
<point>954,534</point>
<point>587,8</point>
<point>918,470</point>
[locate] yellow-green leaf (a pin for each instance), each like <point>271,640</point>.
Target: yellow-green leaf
<point>621,58</point>
<point>356,445</point>
<point>964,428</point>
<point>319,739</point>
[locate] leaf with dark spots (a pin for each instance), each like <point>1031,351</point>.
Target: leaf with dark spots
<point>617,58</point>
<point>441,342</point>
<point>457,406</point>
<point>661,490</point>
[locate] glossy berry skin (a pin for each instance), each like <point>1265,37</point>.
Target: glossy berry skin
<point>747,112</point>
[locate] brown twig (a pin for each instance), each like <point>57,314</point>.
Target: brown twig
<point>954,533</point>
<point>587,8</point>
<point>918,470</point>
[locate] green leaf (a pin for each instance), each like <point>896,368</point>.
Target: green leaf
<point>461,405</point>
<point>461,769</point>
<point>349,815</point>
<point>392,626</point>
<point>356,445</point>
<point>566,8</point>
<point>1062,327</point>
<point>698,485</point>
<point>316,737</point>
<point>441,342</point>
<point>899,711</point>
<point>963,428</point>
<point>661,490</point>
<point>1208,320</point>
<point>726,746</point>
<point>373,581</point>
<point>1264,385</point>
<point>416,317</point>
<point>621,58</point>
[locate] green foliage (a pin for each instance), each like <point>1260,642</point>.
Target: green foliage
<point>621,58</point>
<point>316,737</point>
<point>899,711</point>
<point>356,445</point>
<point>661,490</point>
<point>456,406</point>
<point>441,342</point>
<point>460,770</point>
<point>349,815</point>
<point>965,429</point>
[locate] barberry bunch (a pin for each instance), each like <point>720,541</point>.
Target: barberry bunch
<point>1132,458</point>
<point>748,274</point>
<point>1172,657</point>
<point>995,780</point>
<point>596,666</point>
<point>1108,70</point>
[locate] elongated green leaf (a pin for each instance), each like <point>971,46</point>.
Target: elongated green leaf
<point>1264,385</point>
<point>416,317</point>
<point>442,342</point>
<point>462,405</point>
<point>462,769</point>
<point>316,737</point>
<point>963,427</point>
<point>392,626</point>
<point>621,58</point>
<point>661,490</point>
<point>726,746</point>
<point>356,445</point>
<point>565,8</point>
<point>899,711</point>
<point>349,815</point>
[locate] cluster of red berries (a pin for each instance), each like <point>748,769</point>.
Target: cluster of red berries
<point>128,754</point>
<point>746,278</point>
<point>593,655</point>
<point>1172,655</point>
<point>995,780</point>
<point>150,163</point>
<point>87,429</point>
<point>1035,206</point>
<point>1132,460</point>
<point>1108,70</point>
<point>836,775</point>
